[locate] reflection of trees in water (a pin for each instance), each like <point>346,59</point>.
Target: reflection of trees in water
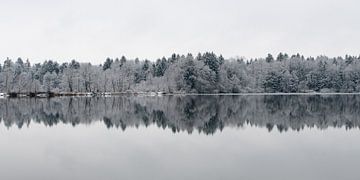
<point>206,114</point>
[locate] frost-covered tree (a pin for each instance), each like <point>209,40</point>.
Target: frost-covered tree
<point>205,73</point>
<point>49,81</point>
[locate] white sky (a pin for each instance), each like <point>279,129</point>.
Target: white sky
<point>93,30</point>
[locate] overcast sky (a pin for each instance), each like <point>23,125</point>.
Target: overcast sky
<point>93,30</point>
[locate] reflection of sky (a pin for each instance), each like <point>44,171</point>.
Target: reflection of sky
<point>93,30</point>
<point>93,152</point>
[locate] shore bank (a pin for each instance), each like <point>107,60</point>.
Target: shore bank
<point>107,94</point>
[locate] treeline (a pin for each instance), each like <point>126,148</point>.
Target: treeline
<point>205,114</point>
<point>204,73</point>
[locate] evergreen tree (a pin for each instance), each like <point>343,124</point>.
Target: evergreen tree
<point>269,58</point>
<point>107,64</point>
<point>74,65</point>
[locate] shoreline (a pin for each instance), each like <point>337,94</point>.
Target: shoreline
<point>158,94</point>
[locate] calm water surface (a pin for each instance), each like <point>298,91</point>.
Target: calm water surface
<point>173,137</point>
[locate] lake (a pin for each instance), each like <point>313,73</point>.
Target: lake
<point>181,137</point>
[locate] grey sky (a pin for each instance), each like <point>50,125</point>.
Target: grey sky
<point>93,30</point>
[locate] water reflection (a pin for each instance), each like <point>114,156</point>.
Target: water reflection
<point>206,114</point>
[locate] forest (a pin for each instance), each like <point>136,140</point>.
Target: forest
<point>203,73</point>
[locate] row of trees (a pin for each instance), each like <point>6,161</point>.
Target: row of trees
<point>204,73</point>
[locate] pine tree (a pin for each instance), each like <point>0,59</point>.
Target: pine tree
<point>107,64</point>
<point>269,58</point>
